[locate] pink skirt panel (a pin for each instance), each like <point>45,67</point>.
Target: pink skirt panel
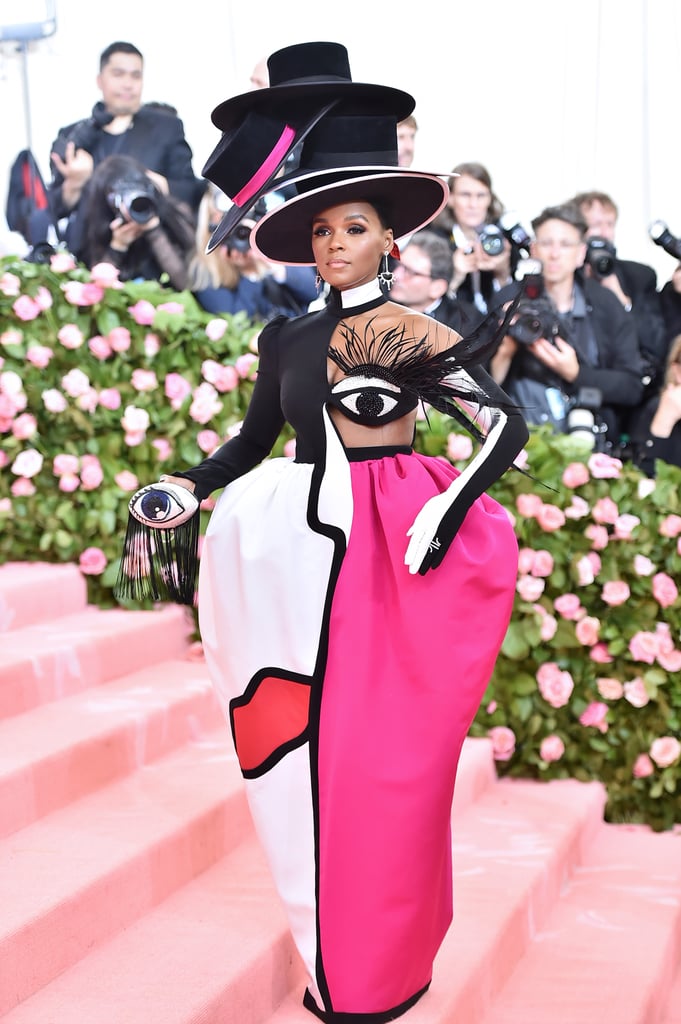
<point>408,663</point>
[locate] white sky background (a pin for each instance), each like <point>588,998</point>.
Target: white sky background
<point>554,98</point>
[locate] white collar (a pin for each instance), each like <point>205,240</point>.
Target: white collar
<point>363,293</point>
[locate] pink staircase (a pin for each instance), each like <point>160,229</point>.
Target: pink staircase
<point>133,891</point>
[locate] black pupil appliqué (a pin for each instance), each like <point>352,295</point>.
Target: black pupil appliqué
<point>155,505</point>
<point>370,403</point>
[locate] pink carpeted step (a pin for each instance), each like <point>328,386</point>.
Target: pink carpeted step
<point>80,875</point>
<point>476,772</point>
<point>672,1014</point>
<point>219,950</point>
<point>514,851</point>
<point>60,751</point>
<point>33,592</point>
<point>54,659</point>
<point>611,946</point>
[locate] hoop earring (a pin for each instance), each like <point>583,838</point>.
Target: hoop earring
<point>385,276</point>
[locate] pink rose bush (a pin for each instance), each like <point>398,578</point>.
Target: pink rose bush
<point>104,385</point>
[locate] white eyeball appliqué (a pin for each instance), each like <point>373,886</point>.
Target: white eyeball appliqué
<point>163,505</point>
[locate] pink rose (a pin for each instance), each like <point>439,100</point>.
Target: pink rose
<point>39,356</point>
<point>24,426</point>
<point>177,389</point>
<point>174,308</point>
<point>635,693</point>
<point>142,312</point>
<point>605,511</point>
<point>503,742</point>
<point>91,473</point>
<point>69,482</point>
<point>585,572</point>
<point>152,345</point>
<point>62,262</point>
<point>625,526</point>
<point>163,448</point>
<point>550,518</point>
<point>28,463</point>
<point>600,654</point>
<point>11,336</point>
<point>555,686</point>
<point>552,748</point>
<point>569,606</point>
<point>664,589</point>
<point>459,447</point>
<point>134,437</point>
<point>643,566</point>
<point>575,474</point>
<point>594,715</point>
<point>26,308</point>
<point>88,400</point>
<point>126,481</point>
<point>609,689</point>
<point>543,563</point>
<point>670,526</point>
<point>598,535</point>
<point>669,660</point>
<point>491,707</point>
<point>110,398</point>
<point>22,488</point>
<point>70,336</point>
<point>135,420</point>
<point>54,401</point>
<point>75,383</point>
<point>223,378</point>
<point>604,467</point>
<point>643,767</point>
<point>615,592</point>
<point>100,347</point>
<point>92,561</point>
<point>643,646</point>
<point>64,463</point>
<point>43,298</point>
<point>144,380</point>
<point>528,505</point>
<point>665,751</point>
<point>106,275</point>
<point>530,588</point>
<point>290,448</point>
<point>587,630</point>
<point>83,294</point>
<point>577,509</point>
<point>525,561</point>
<point>205,404</point>
<point>207,440</point>
<point>215,329</point>
<point>244,364</point>
<point>10,284</point>
<point>119,339</point>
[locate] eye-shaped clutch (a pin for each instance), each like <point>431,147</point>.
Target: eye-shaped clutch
<point>163,505</point>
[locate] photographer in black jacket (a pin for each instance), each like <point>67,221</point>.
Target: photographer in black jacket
<point>120,125</point>
<point>586,357</point>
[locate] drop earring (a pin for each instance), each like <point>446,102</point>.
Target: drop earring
<point>318,281</point>
<point>385,277</point>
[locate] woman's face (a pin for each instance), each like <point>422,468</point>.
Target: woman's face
<point>348,242</point>
<point>469,201</point>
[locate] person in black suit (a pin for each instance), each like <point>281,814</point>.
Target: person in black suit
<point>633,284</point>
<point>120,124</point>
<point>422,278</point>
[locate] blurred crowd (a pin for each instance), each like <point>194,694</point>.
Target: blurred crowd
<point>591,342</point>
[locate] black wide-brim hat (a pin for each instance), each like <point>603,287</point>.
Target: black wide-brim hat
<point>262,127</point>
<point>411,199</point>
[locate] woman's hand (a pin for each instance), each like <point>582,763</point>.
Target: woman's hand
<point>180,480</point>
<point>124,233</point>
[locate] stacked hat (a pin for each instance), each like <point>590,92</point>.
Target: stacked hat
<point>347,134</point>
<point>261,128</point>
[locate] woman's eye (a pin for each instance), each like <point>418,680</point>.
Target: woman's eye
<point>153,505</point>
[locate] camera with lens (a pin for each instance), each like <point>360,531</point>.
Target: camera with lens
<point>600,256</point>
<point>662,236</point>
<point>516,234</point>
<point>491,239</point>
<point>239,238</point>
<point>133,201</point>
<point>582,420</point>
<point>535,316</point>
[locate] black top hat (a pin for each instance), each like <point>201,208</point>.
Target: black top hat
<point>410,198</point>
<point>262,127</point>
